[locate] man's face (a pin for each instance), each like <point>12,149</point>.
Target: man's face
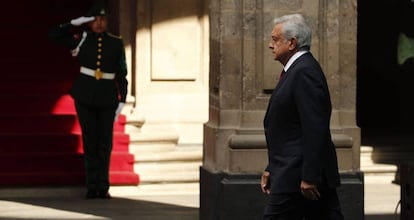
<point>99,25</point>
<point>281,47</point>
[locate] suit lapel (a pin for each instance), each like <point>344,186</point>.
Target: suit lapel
<point>285,77</point>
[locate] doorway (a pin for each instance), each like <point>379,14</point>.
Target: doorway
<point>384,85</point>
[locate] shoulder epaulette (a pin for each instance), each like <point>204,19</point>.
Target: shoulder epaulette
<point>115,36</point>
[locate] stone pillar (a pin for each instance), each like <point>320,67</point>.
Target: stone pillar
<point>242,76</point>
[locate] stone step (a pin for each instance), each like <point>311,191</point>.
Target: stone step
<point>369,166</point>
<point>387,154</point>
<point>162,172</point>
<point>179,154</point>
<point>143,143</point>
<point>158,159</point>
<point>179,165</point>
<point>379,168</point>
<point>139,149</point>
<point>153,138</point>
<point>166,166</point>
<point>366,149</point>
<point>134,123</point>
<point>182,177</point>
<point>130,129</point>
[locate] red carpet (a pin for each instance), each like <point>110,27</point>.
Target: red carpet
<point>40,138</point>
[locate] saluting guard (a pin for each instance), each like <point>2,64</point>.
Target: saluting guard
<point>99,90</point>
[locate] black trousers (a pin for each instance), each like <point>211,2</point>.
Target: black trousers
<point>97,133</point>
<point>293,206</point>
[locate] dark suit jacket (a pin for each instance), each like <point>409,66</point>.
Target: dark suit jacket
<point>297,129</point>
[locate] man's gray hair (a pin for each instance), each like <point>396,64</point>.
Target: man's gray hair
<point>295,26</point>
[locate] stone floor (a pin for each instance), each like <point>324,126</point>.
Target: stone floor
<point>146,202</point>
<point>156,202</point>
<point>381,198</point>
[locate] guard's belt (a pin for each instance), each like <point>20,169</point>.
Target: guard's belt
<point>97,74</point>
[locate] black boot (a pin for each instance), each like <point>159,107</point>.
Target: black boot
<point>104,194</point>
<point>91,194</point>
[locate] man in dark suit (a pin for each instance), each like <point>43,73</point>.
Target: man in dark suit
<point>99,91</point>
<point>302,173</point>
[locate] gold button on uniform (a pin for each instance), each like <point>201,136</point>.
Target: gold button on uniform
<point>98,72</point>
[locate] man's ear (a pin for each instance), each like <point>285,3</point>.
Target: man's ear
<point>293,44</point>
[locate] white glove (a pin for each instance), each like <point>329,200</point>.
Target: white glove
<point>118,110</point>
<point>81,20</point>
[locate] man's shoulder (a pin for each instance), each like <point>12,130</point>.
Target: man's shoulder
<point>306,56</point>
<point>305,59</point>
<point>114,36</point>
<point>306,64</point>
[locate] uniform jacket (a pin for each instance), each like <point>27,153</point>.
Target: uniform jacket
<point>297,129</point>
<point>98,50</point>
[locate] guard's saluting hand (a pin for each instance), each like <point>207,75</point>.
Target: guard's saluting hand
<point>81,20</point>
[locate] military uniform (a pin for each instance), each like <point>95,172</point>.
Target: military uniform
<point>97,91</point>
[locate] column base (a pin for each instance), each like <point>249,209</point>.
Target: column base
<point>238,196</point>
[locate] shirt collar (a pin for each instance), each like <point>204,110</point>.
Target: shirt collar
<point>293,58</point>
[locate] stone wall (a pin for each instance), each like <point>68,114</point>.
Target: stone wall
<point>242,76</point>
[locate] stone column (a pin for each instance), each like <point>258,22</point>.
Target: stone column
<point>242,76</point>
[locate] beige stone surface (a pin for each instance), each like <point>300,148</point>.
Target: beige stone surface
<point>203,71</point>
<point>247,73</point>
<point>168,53</point>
